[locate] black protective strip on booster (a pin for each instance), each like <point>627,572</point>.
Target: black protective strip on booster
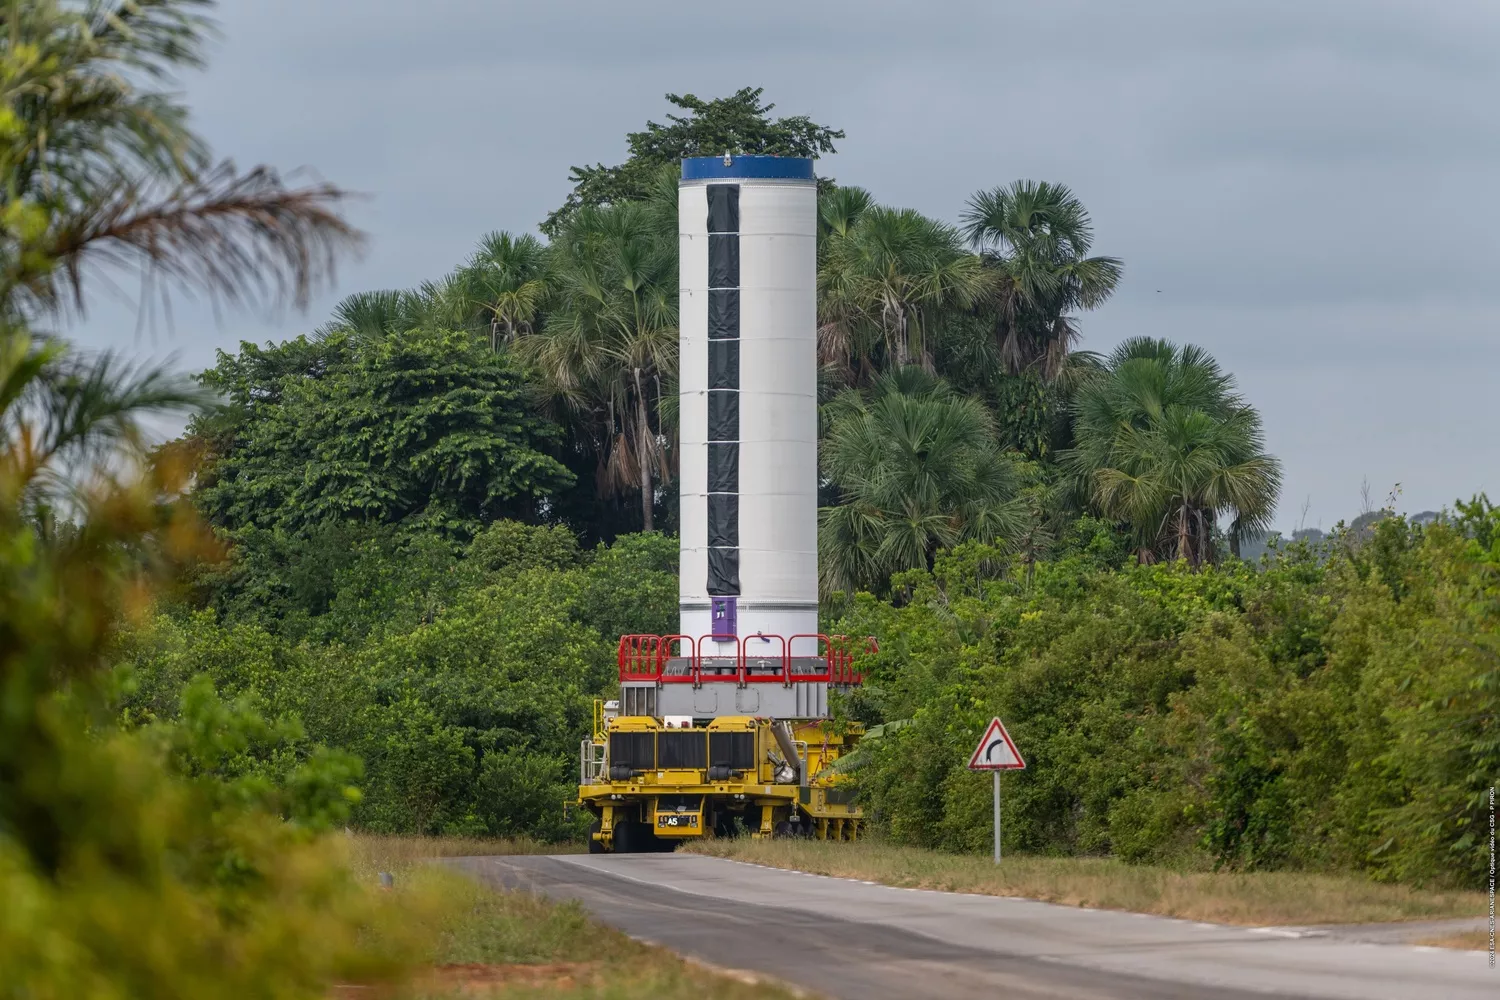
<point>723,384</point>
<point>723,208</point>
<point>723,260</point>
<point>723,467</point>
<point>723,415</point>
<point>723,572</point>
<point>724,314</point>
<point>723,520</point>
<point>723,364</point>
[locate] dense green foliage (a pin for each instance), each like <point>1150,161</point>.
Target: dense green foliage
<point>429,430</point>
<point>606,357</point>
<point>462,677</point>
<point>1333,713</point>
<point>164,857</point>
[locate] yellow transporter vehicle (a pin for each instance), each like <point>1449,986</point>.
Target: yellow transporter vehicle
<point>703,746</point>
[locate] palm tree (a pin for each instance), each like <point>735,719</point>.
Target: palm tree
<point>99,167</point>
<point>884,277</point>
<point>1035,237</point>
<point>1165,443</point>
<point>607,353</point>
<point>841,208</point>
<point>67,421</point>
<point>505,283</point>
<point>377,314</point>
<point>916,469</point>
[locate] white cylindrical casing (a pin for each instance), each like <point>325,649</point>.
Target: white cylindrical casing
<point>777,398</point>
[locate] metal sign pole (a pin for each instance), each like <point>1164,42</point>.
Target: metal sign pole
<point>997,817</point>
<point>996,752</point>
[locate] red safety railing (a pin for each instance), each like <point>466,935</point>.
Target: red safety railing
<point>718,666</point>
<point>754,659</point>
<point>638,658</point>
<point>687,650</point>
<point>841,659</point>
<point>644,658</point>
<point>822,649</point>
<point>769,655</point>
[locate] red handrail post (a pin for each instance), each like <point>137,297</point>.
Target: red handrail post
<point>664,653</point>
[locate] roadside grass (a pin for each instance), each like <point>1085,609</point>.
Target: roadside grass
<point>481,942</point>
<point>381,853</point>
<point>1251,899</point>
<point>1464,941</point>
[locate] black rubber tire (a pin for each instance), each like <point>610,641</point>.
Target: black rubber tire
<point>782,830</point>
<point>627,837</point>
<point>595,847</point>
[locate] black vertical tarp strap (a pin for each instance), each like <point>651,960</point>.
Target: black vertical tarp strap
<point>723,389</point>
<point>723,520</point>
<point>723,260</point>
<point>723,364</point>
<point>724,415</point>
<point>723,467</point>
<point>724,314</point>
<point>724,208</point>
<point>723,572</point>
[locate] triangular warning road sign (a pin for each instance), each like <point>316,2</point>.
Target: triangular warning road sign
<point>997,751</point>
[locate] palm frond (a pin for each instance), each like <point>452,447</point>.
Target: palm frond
<point>236,237</point>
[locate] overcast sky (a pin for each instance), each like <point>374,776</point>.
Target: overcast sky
<point>1307,189</point>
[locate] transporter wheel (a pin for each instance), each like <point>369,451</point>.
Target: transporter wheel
<point>627,840</point>
<point>783,831</point>
<point>595,847</point>
<point>635,837</point>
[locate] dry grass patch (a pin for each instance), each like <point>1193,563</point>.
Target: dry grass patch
<point>1253,899</point>
<point>1464,941</point>
<point>373,852</point>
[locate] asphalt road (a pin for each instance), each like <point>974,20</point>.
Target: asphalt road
<point>853,939</point>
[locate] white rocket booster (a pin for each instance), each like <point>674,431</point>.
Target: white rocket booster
<point>748,419</point>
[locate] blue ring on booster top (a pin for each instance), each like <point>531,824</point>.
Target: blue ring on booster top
<point>708,168</point>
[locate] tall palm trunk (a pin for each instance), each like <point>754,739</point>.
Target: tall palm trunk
<point>895,317</point>
<point>643,451</point>
<point>1184,546</point>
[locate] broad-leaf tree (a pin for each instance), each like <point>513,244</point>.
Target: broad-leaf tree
<point>739,123</point>
<point>427,429</point>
